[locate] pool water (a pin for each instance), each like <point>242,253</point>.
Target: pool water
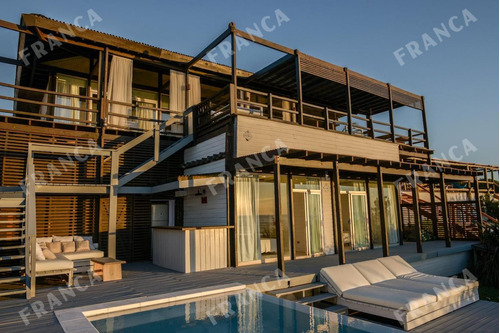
<point>246,311</point>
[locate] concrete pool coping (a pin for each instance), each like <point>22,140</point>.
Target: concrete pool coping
<point>78,320</point>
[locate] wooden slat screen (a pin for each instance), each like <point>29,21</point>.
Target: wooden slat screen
<point>322,69</point>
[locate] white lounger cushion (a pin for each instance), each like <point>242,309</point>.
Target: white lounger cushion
<point>390,298</point>
<point>53,265</point>
<point>82,255</point>
<point>374,271</point>
<point>343,277</point>
<point>440,280</point>
<point>397,265</point>
<point>415,286</point>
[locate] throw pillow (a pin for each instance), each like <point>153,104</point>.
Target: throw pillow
<point>55,247</point>
<point>39,253</point>
<point>62,238</point>
<point>82,246</point>
<point>48,254</point>
<point>68,247</point>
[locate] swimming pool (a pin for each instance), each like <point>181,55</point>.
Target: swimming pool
<point>234,309</point>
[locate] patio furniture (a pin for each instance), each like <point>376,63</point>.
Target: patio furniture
<point>391,288</point>
<point>109,269</point>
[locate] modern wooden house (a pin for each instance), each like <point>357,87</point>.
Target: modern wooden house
<point>197,165</point>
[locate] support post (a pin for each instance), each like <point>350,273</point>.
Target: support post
<point>113,204</point>
<point>369,205</point>
<point>416,211</point>
<point>104,97</point>
<point>478,202</point>
<point>338,211</point>
<point>234,76</point>
<point>391,114</point>
<point>348,100</point>
<point>444,209</point>
<point>277,216</point>
<point>30,240</point>
<point>298,75</point>
<point>334,212</point>
<point>381,206</point>
<point>400,214</point>
<point>424,124</point>
<point>291,216</point>
<point>231,214</point>
<point>433,211</point>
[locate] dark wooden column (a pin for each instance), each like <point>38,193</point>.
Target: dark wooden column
<point>400,214</point>
<point>348,101</point>
<point>381,206</point>
<point>369,205</point>
<point>416,211</point>
<point>391,113</point>
<point>298,79</point>
<point>478,201</point>
<point>433,211</point>
<point>232,245</point>
<point>444,209</point>
<point>424,124</point>
<point>277,216</point>
<point>338,212</point>
<point>291,216</point>
<point>234,69</point>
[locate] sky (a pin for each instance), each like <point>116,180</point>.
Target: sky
<point>458,75</point>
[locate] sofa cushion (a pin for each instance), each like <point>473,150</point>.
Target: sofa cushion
<point>389,298</point>
<point>82,246</point>
<point>55,247</point>
<point>62,238</point>
<point>440,280</point>
<point>39,252</point>
<point>91,242</point>
<point>374,271</point>
<point>68,247</point>
<point>441,292</point>
<point>53,265</point>
<point>44,239</point>
<point>397,265</point>
<point>48,254</point>
<point>343,277</point>
<point>82,255</point>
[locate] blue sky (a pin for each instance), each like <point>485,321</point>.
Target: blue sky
<point>458,76</point>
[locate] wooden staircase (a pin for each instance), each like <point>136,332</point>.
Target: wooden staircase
<point>12,244</point>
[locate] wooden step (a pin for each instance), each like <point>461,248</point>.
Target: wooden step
<point>14,257</point>
<point>340,309</point>
<point>12,292</point>
<point>296,289</point>
<point>12,247</point>
<point>11,238</point>
<point>11,229</point>
<point>11,269</point>
<point>316,298</point>
<point>12,279</point>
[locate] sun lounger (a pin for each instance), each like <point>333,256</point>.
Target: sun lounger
<point>392,288</point>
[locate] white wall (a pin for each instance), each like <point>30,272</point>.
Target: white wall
<point>212,167</point>
<point>206,148</point>
<point>214,212</point>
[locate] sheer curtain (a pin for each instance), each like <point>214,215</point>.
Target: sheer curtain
<point>248,223</point>
<point>178,93</point>
<point>120,89</point>
<point>68,85</point>
<point>390,203</point>
<point>314,205</point>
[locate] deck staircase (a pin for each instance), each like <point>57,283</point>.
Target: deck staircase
<point>312,294</point>
<point>12,244</point>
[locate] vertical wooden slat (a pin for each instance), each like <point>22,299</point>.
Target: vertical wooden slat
<point>433,210</point>
<point>478,202</point>
<point>348,101</point>
<point>416,211</point>
<point>444,209</point>
<point>298,82</point>
<point>397,186</point>
<point>368,204</point>
<point>383,220</point>
<point>291,215</point>
<point>277,216</point>
<point>338,212</point>
<point>391,114</point>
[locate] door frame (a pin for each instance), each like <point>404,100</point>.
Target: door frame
<point>308,233</point>
<point>351,219</point>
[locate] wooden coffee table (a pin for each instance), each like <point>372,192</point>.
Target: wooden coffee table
<point>108,268</point>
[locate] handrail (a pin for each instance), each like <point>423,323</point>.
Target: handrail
<point>3,84</point>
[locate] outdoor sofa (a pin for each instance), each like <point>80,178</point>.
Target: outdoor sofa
<point>65,255</point>
<point>390,287</point>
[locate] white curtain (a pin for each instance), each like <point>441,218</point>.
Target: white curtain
<point>248,222</point>
<point>67,85</point>
<point>178,94</point>
<point>391,213</point>
<point>120,89</point>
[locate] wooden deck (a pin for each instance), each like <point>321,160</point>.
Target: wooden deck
<point>144,279</point>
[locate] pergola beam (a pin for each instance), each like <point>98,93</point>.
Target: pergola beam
<point>210,47</point>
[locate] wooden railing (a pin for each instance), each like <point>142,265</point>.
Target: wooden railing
<point>244,101</point>
<point>64,108</point>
